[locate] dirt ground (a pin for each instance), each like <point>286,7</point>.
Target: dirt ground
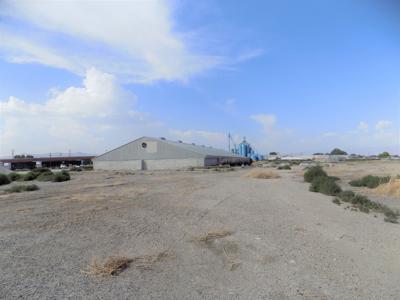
<point>281,241</point>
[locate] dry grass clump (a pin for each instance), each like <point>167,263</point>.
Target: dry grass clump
<point>212,235</point>
<point>262,174</point>
<point>114,265</point>
<point>111,267</point>
<point>392,188</point>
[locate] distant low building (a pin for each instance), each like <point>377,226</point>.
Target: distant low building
<point>329,158</point>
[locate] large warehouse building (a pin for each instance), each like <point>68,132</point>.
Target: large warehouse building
<point>148,153</point>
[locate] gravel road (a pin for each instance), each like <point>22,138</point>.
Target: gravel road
<point>286,242</point>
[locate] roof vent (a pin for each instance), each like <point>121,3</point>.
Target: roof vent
<point>180,142</point>
<point>162,138</point>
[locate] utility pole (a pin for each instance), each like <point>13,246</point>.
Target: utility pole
<point>229,142</point>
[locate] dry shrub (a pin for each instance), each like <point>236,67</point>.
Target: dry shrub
<point>392,188</point>
<point>212,235</point>
<point>111,267</point>
<point>262,174</point>
<point>114,265</point>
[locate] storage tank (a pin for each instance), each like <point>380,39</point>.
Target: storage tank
<point>244,148</point>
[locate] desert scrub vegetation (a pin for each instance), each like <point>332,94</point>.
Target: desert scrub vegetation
<point>14,176</point>
<point>325,185</point>
<point>284,167</point>
<point>313,172</point>
<point>4,179</point>
<point>370,181</point>
<point>22,188</point>
<point>366,205</point>
<point>45,176</point>
<point>322,183</point>
<point>61,176</point>
<point>32,175</point>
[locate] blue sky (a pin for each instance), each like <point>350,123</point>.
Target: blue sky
<point>291,76</point>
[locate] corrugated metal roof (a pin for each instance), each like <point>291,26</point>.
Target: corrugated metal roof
<point>200,149</point>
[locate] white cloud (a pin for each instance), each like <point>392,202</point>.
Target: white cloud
<point>137,39</point>
<point>209,137</point>
<point>383,124</point>
<point>362,126</point>
<point>23,50</point>
<point>272,137</point>
<point>266,120</point>
<point>83,118</point>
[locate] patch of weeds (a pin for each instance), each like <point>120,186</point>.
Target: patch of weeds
<point>284,167</point>
<point>391,216</point>
<point>364,204</point>
<point>346,196</point>
<point>337,201</point>
<point>370,181</point>
<point>32,175</point>
<point>313,172</point>
<point>29,176</point>
<point>325,185</point>
<point>22,188</point>
<point>14,176</point>
<point>4,179</point>
<point>49,176</point>
<point>61,176</point>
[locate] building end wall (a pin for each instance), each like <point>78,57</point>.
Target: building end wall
<point>117,165</point>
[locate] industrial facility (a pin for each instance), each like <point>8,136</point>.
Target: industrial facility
<point>31,162</point>
<point>147,153</point>
<point>244,149</point>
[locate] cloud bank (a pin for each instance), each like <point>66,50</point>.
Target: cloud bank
<point>93,116</point>
<point>135,40</point>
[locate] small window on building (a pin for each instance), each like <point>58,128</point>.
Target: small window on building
<point>144,145</point>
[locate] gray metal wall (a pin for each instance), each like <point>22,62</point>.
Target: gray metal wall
<point>117,165</point>
<point>148,164</point>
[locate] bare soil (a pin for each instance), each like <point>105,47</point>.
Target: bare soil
<point>228,237</point>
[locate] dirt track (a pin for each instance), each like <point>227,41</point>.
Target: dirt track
<point>287,242</point>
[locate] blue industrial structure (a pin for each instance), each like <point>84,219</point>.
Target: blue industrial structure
<point>244,149</point>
